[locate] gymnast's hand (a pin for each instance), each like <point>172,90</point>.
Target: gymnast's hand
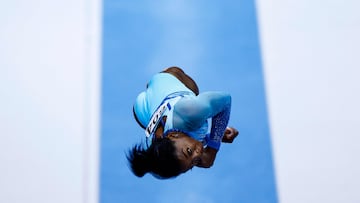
<point>229,135</point>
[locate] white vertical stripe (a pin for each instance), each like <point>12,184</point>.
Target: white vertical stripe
<point>93,99</point>
<point>311,52</point>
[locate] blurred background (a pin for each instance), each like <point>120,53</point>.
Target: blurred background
<point>70,71</point>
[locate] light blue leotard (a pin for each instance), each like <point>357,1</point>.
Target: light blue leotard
<point>185,111</point>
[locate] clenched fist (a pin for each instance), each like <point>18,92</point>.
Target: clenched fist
<point>230,134</point>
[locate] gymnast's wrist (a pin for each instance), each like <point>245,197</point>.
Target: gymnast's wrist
<point>215,144</point>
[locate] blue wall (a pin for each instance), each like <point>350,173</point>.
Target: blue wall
<point>217,44</point>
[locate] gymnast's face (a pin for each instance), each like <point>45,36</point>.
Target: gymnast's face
<point>189,151</point>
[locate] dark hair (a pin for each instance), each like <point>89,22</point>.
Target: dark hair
<point>159,159</point>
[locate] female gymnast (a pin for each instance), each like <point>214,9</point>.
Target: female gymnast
<point>183,128</point>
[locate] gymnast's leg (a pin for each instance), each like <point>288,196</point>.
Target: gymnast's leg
<point>183,77</point>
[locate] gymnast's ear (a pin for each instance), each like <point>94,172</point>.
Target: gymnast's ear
<point>173,135</point>
<point>176,135</point>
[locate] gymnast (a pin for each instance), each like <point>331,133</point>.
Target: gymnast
<point>183,128</point>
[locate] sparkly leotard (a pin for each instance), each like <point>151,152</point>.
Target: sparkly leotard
<point>203,117</point>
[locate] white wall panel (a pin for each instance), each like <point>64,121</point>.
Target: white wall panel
<point>49,93</point>
<point>310,52</point>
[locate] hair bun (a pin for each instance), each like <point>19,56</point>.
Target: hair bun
<point>140,161</point>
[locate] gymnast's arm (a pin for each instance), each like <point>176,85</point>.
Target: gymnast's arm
<point>191,112</point>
